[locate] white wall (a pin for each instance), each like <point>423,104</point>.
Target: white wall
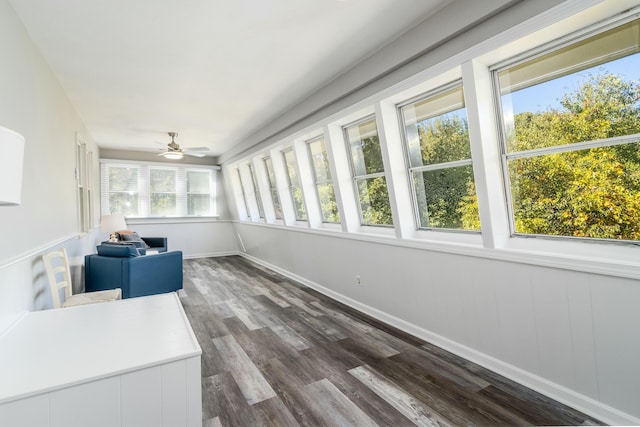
<point>33,104</point>
<point>569,334</point>
<point>195,238</point>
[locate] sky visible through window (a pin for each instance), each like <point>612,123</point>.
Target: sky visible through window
<point>547,95</point>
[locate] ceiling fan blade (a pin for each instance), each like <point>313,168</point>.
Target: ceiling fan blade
<point>130,148</point>
<point>196,149</point>
<point>194,154</point>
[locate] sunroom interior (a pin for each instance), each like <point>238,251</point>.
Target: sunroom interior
<point>473,181</point>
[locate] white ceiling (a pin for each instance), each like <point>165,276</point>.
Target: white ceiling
<point>214,71</point>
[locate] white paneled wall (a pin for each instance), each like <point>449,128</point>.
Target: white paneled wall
<point>569,334</point>
<point>194,238</point>
<point>616,328</point>
<point>152,397</point>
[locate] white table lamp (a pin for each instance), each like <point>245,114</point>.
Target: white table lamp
<point>112,223</point>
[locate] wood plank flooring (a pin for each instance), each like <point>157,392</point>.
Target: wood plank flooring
<point>276,353</point>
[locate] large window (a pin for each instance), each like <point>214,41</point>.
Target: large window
<point>198,192</point>
<point>571,133</point>
<point>244,194</point>
<point>294,184</point>
<point>157,190</point>
<point>323,181</point>
<point>439,157</point>
<point>368,172</point>
<point>277,206</point>
<point>120,193</point>
<point>163,192</point>
<point>552,118</point>
<point>84,180</point>
<point>256,190</point>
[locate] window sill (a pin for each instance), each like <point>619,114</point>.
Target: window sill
<point>376,230</point>
<point>172,220</point>
<point>620,261</point>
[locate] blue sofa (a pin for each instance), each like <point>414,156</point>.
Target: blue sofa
<point>121,266</point>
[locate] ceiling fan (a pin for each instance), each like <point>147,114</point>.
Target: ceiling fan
<point>174,152</point>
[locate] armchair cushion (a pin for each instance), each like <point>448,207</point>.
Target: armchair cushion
<point>128,251</point>
<point>136,276</point>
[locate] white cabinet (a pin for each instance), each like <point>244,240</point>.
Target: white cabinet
<point>133,362</point>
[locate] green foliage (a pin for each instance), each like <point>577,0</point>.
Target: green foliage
<point>604,107</point>
<point>373,193</point>
<point>446,197</point>
<point>444,194</point>
<point>326,193</point>
<point>328,203</point>
<point>584,193</point>
<point>444,139</point>
<point>372,155</point>
<point>469,212</point>
<point>374,201</point>
<point>298,203</point>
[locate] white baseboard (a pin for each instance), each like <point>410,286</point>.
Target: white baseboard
<point>585,404</point>
<point>210,255</point>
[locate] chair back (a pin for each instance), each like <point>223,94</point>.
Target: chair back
<point>59,274</point>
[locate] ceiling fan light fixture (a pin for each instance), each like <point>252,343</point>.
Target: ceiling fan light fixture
<point>173,155</point>
<point>174,152</point>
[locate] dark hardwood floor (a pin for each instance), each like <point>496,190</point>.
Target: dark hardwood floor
<point>276,353</point>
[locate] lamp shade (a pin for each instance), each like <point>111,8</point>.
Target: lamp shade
<point>11,161</point>
<point>111,223</point>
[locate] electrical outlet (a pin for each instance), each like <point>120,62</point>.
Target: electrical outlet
<point>358,280</point>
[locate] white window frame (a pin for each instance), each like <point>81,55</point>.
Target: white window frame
<point>506,156</point>
<point>273,188</point>
<point>431,167</point>
<point>144,187</point>
<point>316,182</point>
<point>245,204</point>
<point>291,187</point>
<point>84,182</point>
<point>256,190</point>
<point>356,178</point>
<point>178,212</point>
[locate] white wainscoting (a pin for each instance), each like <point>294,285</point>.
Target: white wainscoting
<point>23,282</point>
<point>196,238</point>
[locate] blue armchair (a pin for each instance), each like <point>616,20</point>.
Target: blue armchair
<point>120,266</point>
<point>156,243</point>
